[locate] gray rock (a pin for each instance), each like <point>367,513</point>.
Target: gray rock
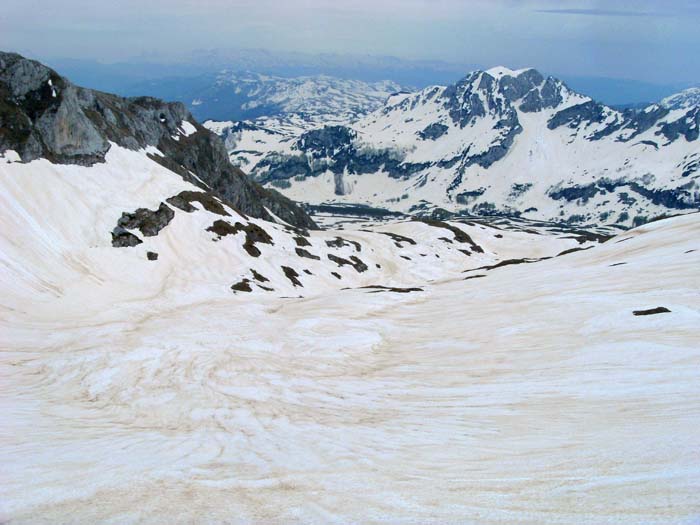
<point>339,185</point>
<point>687,126</point>
<point>641,121</point>
<point>68,135</point>
<point>574,116</point>
<point>433,131</point>
<point>121,238</point>
<point>43,115</point>
<point>515,88</point>
<point>148,222</point>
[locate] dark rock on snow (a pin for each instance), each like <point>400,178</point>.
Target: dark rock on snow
<point>292,275</point>
<point>242,286</point>
<point>254,234</point>
<point>122,238</point>
<point>653,311</point>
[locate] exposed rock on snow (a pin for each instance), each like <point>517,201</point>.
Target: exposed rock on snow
<point>147,221</point>
<point>653,311</point>
<point>72,125</point>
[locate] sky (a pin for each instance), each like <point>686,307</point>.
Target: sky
<point>649,40</point>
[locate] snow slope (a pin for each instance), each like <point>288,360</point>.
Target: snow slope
<point>139,390</point>
<point>72,211</point>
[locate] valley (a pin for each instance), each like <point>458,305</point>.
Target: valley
<point>181,344</point>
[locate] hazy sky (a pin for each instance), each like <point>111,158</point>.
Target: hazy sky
<point>652,40</point>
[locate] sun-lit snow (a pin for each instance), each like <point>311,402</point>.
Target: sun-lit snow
<point>685,99</point>
<point>187,128</point>
<point>500,71</point>
<point>147,391</point>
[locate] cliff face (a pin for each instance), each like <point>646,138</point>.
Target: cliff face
<point>43,115</point>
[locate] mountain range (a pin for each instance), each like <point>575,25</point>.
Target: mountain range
<point>246,96</point>
<point>185,78</point>
<point>496,142</point>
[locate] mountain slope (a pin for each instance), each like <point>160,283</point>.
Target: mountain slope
<point>151,387</point>
<point>145,185</point>
<point>43,115</point>
<point>498,141</point>
<point>168,358</point>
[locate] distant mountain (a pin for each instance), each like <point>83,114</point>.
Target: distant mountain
<point>688,99</point>
<point>290,106</point>
<point>368,68</point>
<point>498,141</point>
<point>242,96</point>
<point>104,195</point>
<point>185,79</point>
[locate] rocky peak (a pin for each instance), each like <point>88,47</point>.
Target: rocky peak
<point>43,115</point>
<point>500,91</point>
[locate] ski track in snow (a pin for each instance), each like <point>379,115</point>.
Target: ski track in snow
<point>135,391</point>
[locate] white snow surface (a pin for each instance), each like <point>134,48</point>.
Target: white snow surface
<point>500,71</point>
<point>187,128</point>
<point>138,391</point>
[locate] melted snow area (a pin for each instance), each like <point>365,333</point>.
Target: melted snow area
<point>148,391</point>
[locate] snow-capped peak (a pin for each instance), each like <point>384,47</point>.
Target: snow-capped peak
<point>502,71</point>
<point>683,100</point>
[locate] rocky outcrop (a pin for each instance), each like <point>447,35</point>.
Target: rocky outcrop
<point>148,222</point>
<point>681,198</point>
<point>43,115</point>
<point>433,131</point>
<point>687,126</point>
<point>574,116</point>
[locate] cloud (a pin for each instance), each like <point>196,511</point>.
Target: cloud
<point>643,39</point>
<point>600,12</point>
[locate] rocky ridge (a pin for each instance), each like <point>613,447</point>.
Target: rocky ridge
<point>43,115</point>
